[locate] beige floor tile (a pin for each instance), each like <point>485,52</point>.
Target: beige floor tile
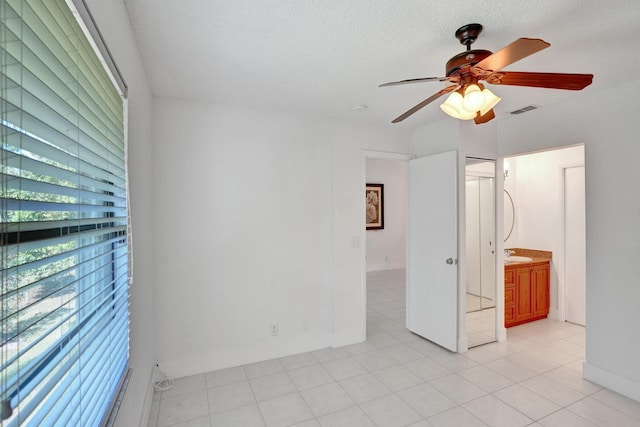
<point>364,387</point>
<point>390,411</point>
<point>285,411</point>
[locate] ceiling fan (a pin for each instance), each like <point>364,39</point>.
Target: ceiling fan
<point>469,98</point>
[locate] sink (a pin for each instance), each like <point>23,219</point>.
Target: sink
<point>515,258</point>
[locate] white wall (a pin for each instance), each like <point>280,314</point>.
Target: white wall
<point>113,22</point>
<point>386,248</point>
<point>509,185</point>
<point>536,184</point>
<point>249,202</point>
<point>606,123</point>
<point>243,237</point>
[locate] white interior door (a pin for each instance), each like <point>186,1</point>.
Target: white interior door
<point>432,284</point>
<point>575,246</point>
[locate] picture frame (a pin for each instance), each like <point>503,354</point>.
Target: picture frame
<point>374,202</point>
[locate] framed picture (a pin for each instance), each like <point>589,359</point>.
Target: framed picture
<point>374,199</point>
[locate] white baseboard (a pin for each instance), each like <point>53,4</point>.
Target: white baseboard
<point>385,266</point>
<point>352,336</point>
<point>148,399</point>
<point>200,362</point>
<point>220,359</point>
<point>463,345</point>
<point>612,381</point>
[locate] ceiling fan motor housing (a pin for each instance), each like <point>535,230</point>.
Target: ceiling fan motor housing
<point>467,34</point>
<point>464,59</point>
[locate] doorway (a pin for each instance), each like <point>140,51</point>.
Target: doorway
<point>480,251</point>
<point>552,182</point>
<point>385,248</point>
<point>432,304</point>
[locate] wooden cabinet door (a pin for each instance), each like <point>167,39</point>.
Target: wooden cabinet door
<point>524,294</point>
<point>541,291</point>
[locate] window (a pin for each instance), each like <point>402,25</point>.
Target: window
<point>64,264</point>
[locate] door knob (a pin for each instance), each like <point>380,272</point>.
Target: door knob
<point>449,261</point>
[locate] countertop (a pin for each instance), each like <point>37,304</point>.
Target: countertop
<point>536,256</point>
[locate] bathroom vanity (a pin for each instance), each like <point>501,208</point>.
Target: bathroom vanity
<point>526,286</point>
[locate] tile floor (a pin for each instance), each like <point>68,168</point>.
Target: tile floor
<point>396,378</point>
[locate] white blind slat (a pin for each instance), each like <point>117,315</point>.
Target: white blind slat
<point>41,32</point>
<point>22,165</point>
<point>64,294</point>
<point>29,144</point>
<point>96,298</point>
<point>41,188</point>
<point>63,224</point>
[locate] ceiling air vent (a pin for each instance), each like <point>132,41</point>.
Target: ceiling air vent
<point>525,109</point>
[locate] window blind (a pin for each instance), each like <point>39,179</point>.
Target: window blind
<point>64,337</point>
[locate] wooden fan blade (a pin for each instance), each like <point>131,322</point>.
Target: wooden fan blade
<point>546,80</point>
<point>420,80</point>
<point>517,50</point>
<point>489,115</point>
<point>424,103</point>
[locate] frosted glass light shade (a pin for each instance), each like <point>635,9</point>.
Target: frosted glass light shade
<point>490,101</point>
<point>453,105</point>
<point>473,98</point>
<point>467,115</point>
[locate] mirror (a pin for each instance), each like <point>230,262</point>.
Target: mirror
<point>509,215</point>
<point>480,251</point>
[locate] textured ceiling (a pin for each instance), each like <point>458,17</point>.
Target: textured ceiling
<point>322,57</point>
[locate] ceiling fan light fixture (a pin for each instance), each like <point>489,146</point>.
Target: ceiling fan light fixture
<point>473,98</point>
<point>490,101</point>
<point>467,68</point>
<point>453,105</point>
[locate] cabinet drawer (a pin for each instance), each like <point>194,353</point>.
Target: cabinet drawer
<point>509,316</point>
<point>509,295</point>
<point>509,276</point>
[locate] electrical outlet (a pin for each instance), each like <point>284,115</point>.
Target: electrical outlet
<point>274,329</point>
